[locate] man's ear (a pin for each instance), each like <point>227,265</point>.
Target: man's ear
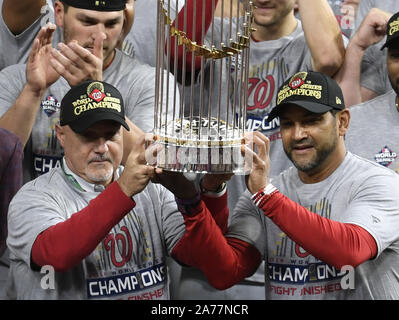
<point>59,131</point>
<point>59,13</point>
<point>343,120</point>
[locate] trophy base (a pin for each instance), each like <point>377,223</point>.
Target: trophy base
<point>200,147</point>
<point>201,160</point>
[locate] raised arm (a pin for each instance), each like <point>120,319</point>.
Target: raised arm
<point>20,118</point>
<point>323,35</point>
<point>370,32</point>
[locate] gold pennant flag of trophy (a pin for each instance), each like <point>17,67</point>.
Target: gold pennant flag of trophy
<point>205,45</point>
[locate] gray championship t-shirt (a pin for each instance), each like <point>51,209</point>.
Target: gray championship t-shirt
<point>271,63</point>
<point>128,264</point>
<point>374,130</point>
<point>358,192</point>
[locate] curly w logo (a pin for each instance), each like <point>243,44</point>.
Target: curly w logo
<point>120,245</point>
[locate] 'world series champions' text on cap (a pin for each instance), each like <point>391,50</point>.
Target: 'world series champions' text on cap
<point>91,102</point>
<point>313,91</point>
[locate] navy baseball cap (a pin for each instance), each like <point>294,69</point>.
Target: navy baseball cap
<point>392,31</point>
<point>91,102</point>
<point>313,91</point>
<point>97,5</point>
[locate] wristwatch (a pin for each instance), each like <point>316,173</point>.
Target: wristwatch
<point>217,193</point>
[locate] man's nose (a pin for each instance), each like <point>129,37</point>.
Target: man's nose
<point>101,146</point>
<point>299,132</point>
<point>99,30</point>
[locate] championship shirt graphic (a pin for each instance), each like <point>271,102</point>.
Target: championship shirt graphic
<point>385,157</point>
<point>263,83</point>
<point>294,272</point>
<point>50,105</point>
<point>47,152</point>
<point>123,266</point>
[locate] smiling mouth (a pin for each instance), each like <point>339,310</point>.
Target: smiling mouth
<point>264,8</point>
<point>302,149</point>
<point>302,146</point>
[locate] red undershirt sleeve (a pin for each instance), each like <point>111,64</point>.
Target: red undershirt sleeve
<point>225,261</point>
<point>219,209</point>
<point>333,242</point>
<point>67,243</point>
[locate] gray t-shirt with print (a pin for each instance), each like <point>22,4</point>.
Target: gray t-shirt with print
<point>373,131</point>
<point>271,63</point>
<point>128,264</point>
<point>358,192</point>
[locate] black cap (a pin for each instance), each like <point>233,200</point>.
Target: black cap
<point>91,102</point>
<point>313,91</point>
<point>392,30</point>
<point>97,5</point>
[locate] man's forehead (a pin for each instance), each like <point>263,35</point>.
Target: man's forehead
<point>97,15</point>
<point>104,126</point>
<point>291,110</point>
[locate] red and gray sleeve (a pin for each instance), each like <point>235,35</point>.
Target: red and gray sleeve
<point>67,243</point>
<point>227,260</point>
